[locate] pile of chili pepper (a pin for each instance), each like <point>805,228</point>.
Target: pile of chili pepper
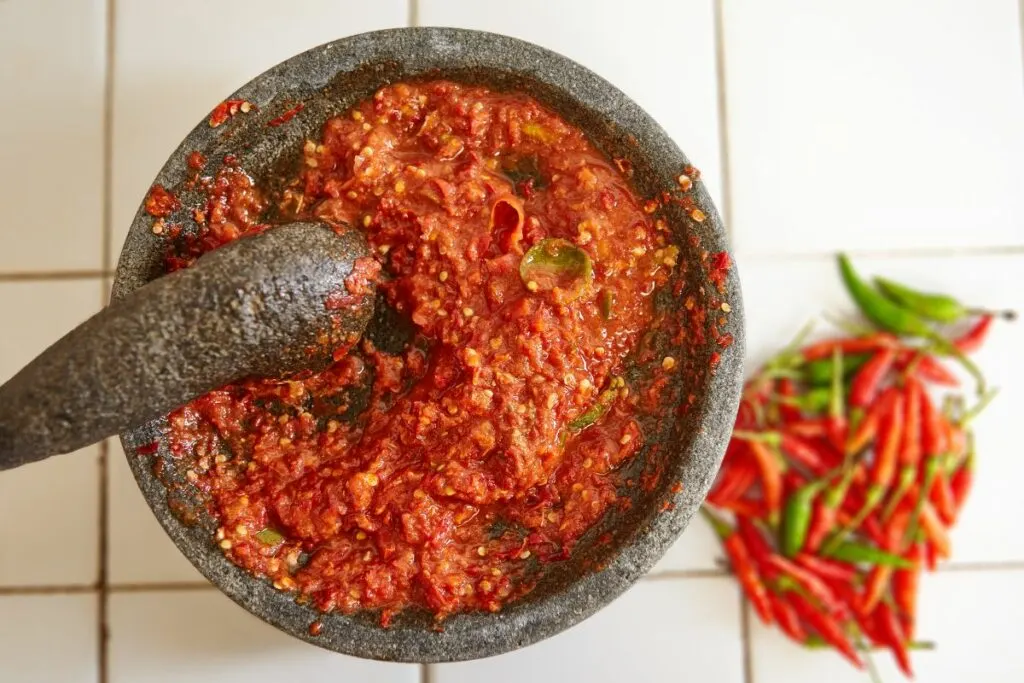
<point>846,471</point>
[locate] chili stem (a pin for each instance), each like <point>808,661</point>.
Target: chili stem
<point>1005,314</point>
<point>978,407</point>
<point>848,326</point>
<point>870,504</point>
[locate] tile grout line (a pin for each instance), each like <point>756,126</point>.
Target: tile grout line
<point>725,175</point>
<point>1020,36</point>
<point>671,574</point>
<point>162,587</point>
<point>103,663</point>
<point>748,654</point>
<point>35,276</point>
<point>668,575</point>
<point>74,589</point>
<point>425,673</point>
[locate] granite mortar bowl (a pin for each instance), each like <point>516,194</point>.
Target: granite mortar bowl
<point>685,446</point>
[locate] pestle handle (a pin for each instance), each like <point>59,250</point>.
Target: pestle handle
<point>263,305</point>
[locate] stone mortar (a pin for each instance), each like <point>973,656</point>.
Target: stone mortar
<point>328,80</point>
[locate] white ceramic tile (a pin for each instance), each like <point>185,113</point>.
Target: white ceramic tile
<point>660,630</point>
<point>886,124</point>
<point>51,167</point>
<point>660,53</point>
<point>199,636</point>
<point>49,638</point>
<point>697,548</point>
<point>140,550</point>
<point>175,61</point>
<point>974,639</point>
<point>55,502</point>
<point>781,295</point>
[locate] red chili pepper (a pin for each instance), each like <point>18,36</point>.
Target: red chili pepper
<point>888,626</point>
<point>904,589</point>
<point>890,438</point>
<point>868,380</point>
<point>755,541</point>
<point>930,556</point>
<point>806,453</point>
<point>771,478</point>
<point>739,558</point>
<point>973,339</point>
<point>850,346</point>
<point>786,618</point>
<point>811,428</point>
<point>962,481</point>
<point>788,412</point>
<point>746,416</point>
<point>814,586</point>
<point>874,589</point>
<point>896,528</point>
<point>744,508</point>
<point>910,452</point>
<point>827,569</point>
<point>737,476</point>
<point>931,370</point>
<point>867,625</point>
<point>826,512</point>
<point>822,522</point>
<point>827,627</point>
<point>867,429</point>
<point>936,534</point>
<point>910,448</point>
<point>933,439</point>
<point>941,496</point>
<point>873,529</point>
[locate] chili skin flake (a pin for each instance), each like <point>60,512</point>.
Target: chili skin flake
<point>462,471</point>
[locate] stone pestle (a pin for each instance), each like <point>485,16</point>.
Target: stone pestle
<point>266,305</point>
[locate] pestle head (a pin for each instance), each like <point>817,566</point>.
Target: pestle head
<point>288,299</point>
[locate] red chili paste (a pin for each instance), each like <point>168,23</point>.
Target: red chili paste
<point>490,444</point>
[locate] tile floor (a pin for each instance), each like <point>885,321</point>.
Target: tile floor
<point>892,128</point>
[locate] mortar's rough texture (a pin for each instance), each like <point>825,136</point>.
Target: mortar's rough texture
<point>331,78</point>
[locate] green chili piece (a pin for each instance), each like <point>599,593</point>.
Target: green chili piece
<point>557,263</point>
<point>603,404</point>
<point>269,536</point>
<point>893,317</point>
<point>939,307</point>
<point>796,518</point>
<point>819,372</point>
<point>878,309</point>
<point>607,303</point>
<point>858,553</point>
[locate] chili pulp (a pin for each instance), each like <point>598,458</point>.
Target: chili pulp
<point>489,443</point>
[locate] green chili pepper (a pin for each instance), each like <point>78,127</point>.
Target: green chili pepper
<point>819,372</point>
<point>880,310</point>
<point>939,307</point>
<point>837,392</point>
<point>269,536</point>
<point>891,316</point>
<point>815,400</point>
<point>557,263</point>
<point>597,411</point>
<point>858,553</point>
<point>796,518</point>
